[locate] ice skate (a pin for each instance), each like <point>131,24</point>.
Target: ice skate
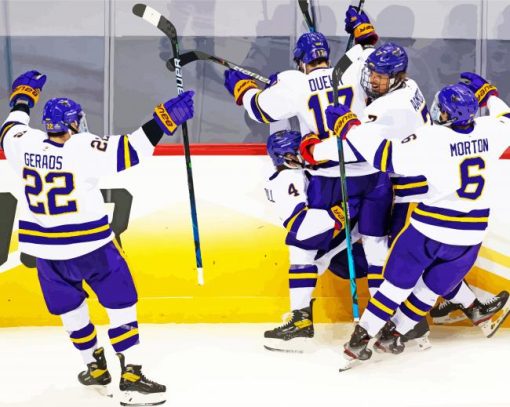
<point>357,347</point>
<point>294,335</point>
<point>491,314</point>
<point>390,341</point>
<point>136,389</point>
<point>447,313</point>
<point>419,335</point>
<point>96,376</point>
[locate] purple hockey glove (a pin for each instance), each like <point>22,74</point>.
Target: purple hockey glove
<point>27,87</point>
<point>359,25</point>
<point>341,119</point>
<point>174,112</point>
<point>238,83</point>
<point>479,86</point>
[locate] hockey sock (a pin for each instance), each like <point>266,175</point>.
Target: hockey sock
<point>382,306</point>
<point>415,308</point>
<point>375,278</point>
<point>124,328</point>
<point>81,331</point>
<point>302,282</point>
<point>462,295</point>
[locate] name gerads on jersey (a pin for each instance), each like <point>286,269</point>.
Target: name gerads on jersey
<point>64,214</point>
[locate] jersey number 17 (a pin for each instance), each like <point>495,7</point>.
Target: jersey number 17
<point>345,97</point>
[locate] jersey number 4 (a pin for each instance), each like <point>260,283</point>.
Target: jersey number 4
<point>63,184</point>
<point>345,97</point>
<point>471,185</point>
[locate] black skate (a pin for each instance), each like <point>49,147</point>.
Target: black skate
<point>295,333</point>
<point>447,313</point>
<point>420,335</point>
<point>136,389</point>
<point>390,341</point>
<point>357,347</point>
<point>96,376</point>
<point>487,315</point>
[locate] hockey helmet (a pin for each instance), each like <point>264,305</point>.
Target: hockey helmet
<point>59,113</point>
<point>283,148</point>
<point>459,102</point>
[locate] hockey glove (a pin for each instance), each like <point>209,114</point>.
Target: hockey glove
<point>359,25</point>
<point>27,87</point>
<point>273,78</point>
<point>479,86</point>
<point>238,83</point>
<point>306,144</point>
<point>340,119</point>
<point>338,215</point>
<point>173,113</point>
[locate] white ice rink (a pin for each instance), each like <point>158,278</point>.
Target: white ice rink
<point>226,365</point>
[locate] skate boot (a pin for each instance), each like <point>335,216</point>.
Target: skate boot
<point>481,314</point>
<point>294,334</point>
<point>136,389</point>
<point>96,376</point>
<point>390,341</point>
<point>447,313</point>
<point>419,334</point>
<point>357,347</point>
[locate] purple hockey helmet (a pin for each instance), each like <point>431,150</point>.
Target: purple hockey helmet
<point>311,46</point>
<point>59,113</point>
<point>459,102</point>
<point>283,148</point>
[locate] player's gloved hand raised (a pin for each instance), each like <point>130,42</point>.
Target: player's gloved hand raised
<point>359,25</point>
<point>479,86</point>
<point>340,119</point>
<point>238,83</point>
<point>27,87</point>
<point>174,112</point>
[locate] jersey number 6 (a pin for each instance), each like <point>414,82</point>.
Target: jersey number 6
<point>471,186</point>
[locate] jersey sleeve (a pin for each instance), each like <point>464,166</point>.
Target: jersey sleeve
<point>113,154</point>
<point>498,107</point>
<point>16,123</point>
<point>275,102</point>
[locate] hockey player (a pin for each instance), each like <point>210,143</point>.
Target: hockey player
<point>442,240</point>
<point>305,93</point>
<point>315,238</point>
<point>64,224</point>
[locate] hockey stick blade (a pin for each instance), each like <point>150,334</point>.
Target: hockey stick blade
<point>195,55</point>
<point>156,19</point>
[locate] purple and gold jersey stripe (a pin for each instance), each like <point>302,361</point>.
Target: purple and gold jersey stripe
<point>124,336</point>
<point>5,128</point>
<point>84,338</point>
<point>448,218</point>
<point>506,114</point>
<point>126,155</point>
<point>66,234</point>
<point>259,113</point>
<point>383,157</point>
<point>407,186</point>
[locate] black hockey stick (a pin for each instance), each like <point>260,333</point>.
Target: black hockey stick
<point>351,37</point>
<point>196,55</point>
<point>338,71</point>
<point>305,10</point>
<point>156,19</point>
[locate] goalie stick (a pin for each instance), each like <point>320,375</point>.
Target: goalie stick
<point>338,71</point>
<point>196,55</point>
<point>156,19</point>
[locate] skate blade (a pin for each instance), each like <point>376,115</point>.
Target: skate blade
<point>134,398</point>
<point>451,318</point>
<point>348,362</point>
<point>105,391</point>
<point>423,342</point>
<point>296,345</point>
<point>490,327</point>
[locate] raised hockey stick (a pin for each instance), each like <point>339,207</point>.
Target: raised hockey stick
<point>338,71</point>
<point>196,55</point>
<point>351,37</point>
<point>305,10</point>
<point>156,19</point>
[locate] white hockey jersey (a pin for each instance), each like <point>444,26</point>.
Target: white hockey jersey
<point>308,229</point>
<point>64,215</point>
<point>306,96</point>
<point>459,169</point>
<point>403,110</point>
